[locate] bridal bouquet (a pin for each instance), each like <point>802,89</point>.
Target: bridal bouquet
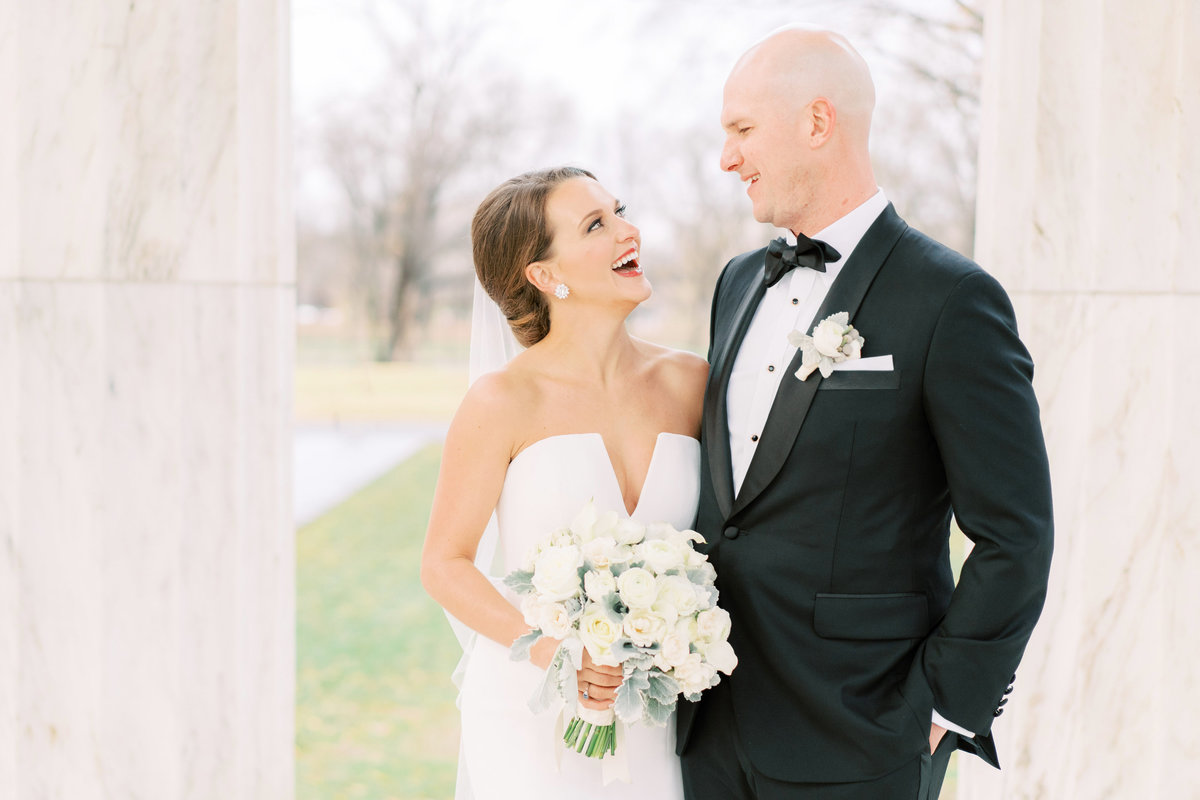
<point>633,595</point>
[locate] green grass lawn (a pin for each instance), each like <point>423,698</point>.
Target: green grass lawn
<point>375,713</point>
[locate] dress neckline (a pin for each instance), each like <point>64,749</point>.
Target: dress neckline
<point>612,471</point>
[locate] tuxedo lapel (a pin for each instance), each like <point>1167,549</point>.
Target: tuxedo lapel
<point>795,397</point>
<point>716,423</point>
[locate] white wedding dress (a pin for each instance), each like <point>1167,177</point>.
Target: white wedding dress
<point>508,752</point>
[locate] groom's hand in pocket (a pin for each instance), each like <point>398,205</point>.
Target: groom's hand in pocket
<point>600,682</point>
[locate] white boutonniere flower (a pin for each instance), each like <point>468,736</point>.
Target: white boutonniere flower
<point>833,341</point>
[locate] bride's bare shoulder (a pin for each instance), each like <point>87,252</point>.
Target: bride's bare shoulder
<point>506,389</point>
<point>497,403</point>
<point>679,367</point>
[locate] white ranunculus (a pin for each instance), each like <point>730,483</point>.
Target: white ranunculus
<point>637,587</point>
<point>621,554</point>
<point>627,531</point>
<point>676,597</point>
<point>713,624</point>
<point>556,573</point>
<point>693,674</point>
<point>644,627</point>
<point>598,633</point>
<point>721,656</point>
<point>598,552</point>
<point>598,584</point>
<point>660,555</point>
<point>828,337</point>
<point>674,650</point>
<point>554,621</point>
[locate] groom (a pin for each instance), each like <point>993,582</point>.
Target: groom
<point>826,502</point>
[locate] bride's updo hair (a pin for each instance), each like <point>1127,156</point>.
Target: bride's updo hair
<point>509,233</point>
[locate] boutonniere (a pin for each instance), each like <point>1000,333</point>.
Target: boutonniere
<point>833,341</point>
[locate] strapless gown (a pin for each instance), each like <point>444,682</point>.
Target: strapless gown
<point>508,752</point>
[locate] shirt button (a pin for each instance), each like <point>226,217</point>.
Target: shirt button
<point>770,368</point>
<point>754,438</point>
<point>795,301</point>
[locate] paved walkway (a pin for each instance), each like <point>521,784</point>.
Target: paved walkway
<point>332,462</point>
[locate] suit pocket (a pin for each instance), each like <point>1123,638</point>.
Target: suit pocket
<point>902,615</point>
<point>864,379</point>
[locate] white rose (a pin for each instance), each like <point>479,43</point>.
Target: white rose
<point>721,656</point>
<point>713,625</point>
<point>627,531</point>
<point>598,551</point>
<point>554,621</point>
<point>686,629</point>
<point>828,338</point>
<point>637,587</point>
<point>660,555</point>
<point>676,597</point>
<point>644,627</point>
<point>556,573</point>
<point>531,610</point>
<point>598,633</point>
<point>674,650</point>
<point>693,675</point>
<point>599,584</point>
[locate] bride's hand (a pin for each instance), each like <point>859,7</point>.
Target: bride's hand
<point>542,652</point>
<point>597,683</point>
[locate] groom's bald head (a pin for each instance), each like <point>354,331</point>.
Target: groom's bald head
<point>797,116</point>
<point>798,64</point>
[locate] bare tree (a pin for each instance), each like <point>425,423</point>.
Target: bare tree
<point>396,148</point>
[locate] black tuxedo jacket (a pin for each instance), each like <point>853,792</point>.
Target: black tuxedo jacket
<point>833,559</point>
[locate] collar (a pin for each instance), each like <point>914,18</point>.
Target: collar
<point>845,233</point>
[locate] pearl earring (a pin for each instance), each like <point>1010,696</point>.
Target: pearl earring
<point>561,291</point>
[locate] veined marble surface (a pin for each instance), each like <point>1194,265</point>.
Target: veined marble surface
<point>146,335</point>
<point>1089,214</point>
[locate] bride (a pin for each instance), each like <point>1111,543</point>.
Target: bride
<point>586,412</point>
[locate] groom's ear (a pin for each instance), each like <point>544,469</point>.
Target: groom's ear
<point>821,119</point>
<point>541,275</point>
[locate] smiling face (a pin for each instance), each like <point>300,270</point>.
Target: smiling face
<point>765,145</point>
<point>797,119</point>
<point>595,250</point>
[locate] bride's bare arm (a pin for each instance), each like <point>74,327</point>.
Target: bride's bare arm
<point>479,445</point>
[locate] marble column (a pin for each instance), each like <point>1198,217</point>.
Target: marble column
<point>146,301</point>
<point>1089,212</point>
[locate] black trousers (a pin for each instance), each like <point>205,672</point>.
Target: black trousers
<point>715,767</point>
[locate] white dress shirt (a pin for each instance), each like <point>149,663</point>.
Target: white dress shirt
<point>765,353</point>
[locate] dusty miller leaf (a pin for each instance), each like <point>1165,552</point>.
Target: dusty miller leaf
<point>520,647</point>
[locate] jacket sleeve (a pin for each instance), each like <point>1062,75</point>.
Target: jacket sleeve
<point>980,404</point>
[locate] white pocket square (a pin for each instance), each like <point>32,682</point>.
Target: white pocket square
<point>872,364</point>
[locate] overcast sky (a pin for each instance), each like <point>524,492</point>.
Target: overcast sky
<point>633,62</point>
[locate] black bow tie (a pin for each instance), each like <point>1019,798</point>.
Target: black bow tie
<point>782,257</point>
